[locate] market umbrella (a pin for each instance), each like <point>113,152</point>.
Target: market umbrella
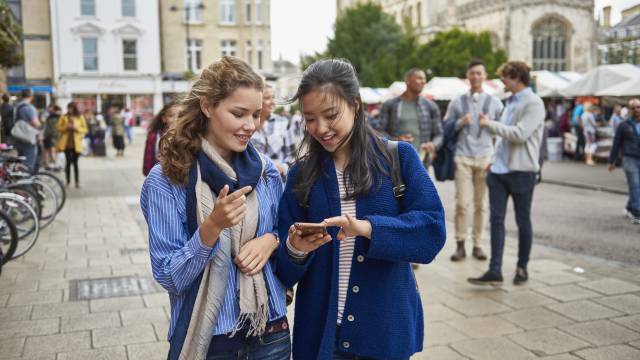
<point>600,78</point>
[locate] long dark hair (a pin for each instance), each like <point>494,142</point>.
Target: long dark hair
<point>157,123</point>
<point>338,79</point>
<point>72,109</point>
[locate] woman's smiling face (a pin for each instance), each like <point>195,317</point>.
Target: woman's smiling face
<point>329,119</point>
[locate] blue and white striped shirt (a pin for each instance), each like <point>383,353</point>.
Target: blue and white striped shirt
<point>177,259</point>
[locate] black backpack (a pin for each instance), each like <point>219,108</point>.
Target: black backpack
<point>396,172</point>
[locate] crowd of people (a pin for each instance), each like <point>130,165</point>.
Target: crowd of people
<point>41,136</point>
<point>228,240</point>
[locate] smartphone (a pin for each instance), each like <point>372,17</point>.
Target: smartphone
<point>310,228</point>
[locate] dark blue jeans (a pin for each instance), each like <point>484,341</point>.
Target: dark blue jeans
<point>30,152</point>
<point>632,171</point>
<point>276,346</point>
<point>518,185</point>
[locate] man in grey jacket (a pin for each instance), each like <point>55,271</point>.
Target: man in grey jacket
<point>514,168</point>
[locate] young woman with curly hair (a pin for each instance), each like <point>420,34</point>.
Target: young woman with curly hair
<point>211,207</point>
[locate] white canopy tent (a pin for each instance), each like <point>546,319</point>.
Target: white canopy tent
<point>628,88</point>
<point>601,78</point>
<point>549,84</point>
<point>373,95</point>
<point>447,88</point>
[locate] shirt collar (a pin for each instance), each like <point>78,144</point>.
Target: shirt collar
<point>518,96</point>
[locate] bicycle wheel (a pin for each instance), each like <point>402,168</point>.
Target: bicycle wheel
<point>48,202</point>
<point>56,184</point>
<point>29,195</point>
<point>8,237</point>
<point>25,219</point>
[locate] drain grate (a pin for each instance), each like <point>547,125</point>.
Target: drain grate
<point>104,288</point>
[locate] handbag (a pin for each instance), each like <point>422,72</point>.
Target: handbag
<point>24,132</point>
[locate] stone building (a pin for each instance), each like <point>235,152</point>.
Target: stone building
<point>621,42</point>
<point>556,35</point>
<point>195,33</point>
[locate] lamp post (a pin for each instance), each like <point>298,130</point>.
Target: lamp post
<point>187,20</point>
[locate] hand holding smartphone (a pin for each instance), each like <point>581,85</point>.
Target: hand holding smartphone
<point>311,228</point>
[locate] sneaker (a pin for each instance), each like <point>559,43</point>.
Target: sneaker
<point>635,220</point>
<point>628,214</point>
<point>521,276</point>
<point>487,278</point>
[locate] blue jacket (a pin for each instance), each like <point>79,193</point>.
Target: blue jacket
<point>383,295</point>
<point>626,141</point>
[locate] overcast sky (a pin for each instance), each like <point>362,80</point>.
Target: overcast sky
<point>301,27</point>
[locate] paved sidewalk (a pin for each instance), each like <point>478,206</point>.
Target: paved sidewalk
<point>46,313</point>
<point>579,175</point>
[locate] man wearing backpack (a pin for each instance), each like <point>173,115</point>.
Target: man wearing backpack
<point>6,114</point>
<point>474,148</point>
<point>26,112</point>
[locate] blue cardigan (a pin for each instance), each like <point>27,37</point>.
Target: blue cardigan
<point>383,296</point>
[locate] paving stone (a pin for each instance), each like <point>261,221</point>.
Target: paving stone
<point>33,298</point>
<point>29,327</point>
<point>583,310</point>
<point>155,300</point>
<point>116,304</point>
<point>441,334</point>
<point>21,286</point>
<point>111,353</point>
<point>522,299</point>
<point>568,292</point>
<point>51,344</point>
<point>439,312</point>
<point>602,332</point>
<point>123,335</point>
<point>3,299</point>
<point>146,315</point>
<point>559,277</point>
<point>536,318</point>
<point>90,321</point>
<point>15,313</point>
<point>57,310</point>
<point>611,286</point>
<point>632,322</point>
<point>53,284</point>
<point>11,347</point>
<point>548,341</point>
<point>492,349</point>
<point>478,307</point>
<point>627,303</point>
<point>545,265</point>
<point>150,351</point>
<point>484,327</point>
<point>635,344</point>
<point>88,273</point>
<point>617,352</point>
<point>161,329</point>
<point>439,353</point>
<point>561,357</point>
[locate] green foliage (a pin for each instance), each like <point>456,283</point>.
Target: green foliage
<point>10,38</point>
<point>382,51</point>
<point>448,53</point>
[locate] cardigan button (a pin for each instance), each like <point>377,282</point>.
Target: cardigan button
<point>346,344</point>
<point>360,258</point>
<point>351,318</point>
<point>356,289</point>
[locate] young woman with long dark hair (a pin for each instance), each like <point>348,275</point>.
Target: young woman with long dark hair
<point>72,127</point>
<point>211,208</point>
<point>357,296</point>
<point>157,128</point>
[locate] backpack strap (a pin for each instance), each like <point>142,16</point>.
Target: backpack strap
<point>396,172</point>
<point>464,101</point>
<point>486,105</point>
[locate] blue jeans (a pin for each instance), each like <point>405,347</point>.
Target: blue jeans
<point>631,168</point>
<point>520,186</point>
<point>30,152</point>
<point>276,346</point>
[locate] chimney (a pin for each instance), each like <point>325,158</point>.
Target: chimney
<point>606,14</point>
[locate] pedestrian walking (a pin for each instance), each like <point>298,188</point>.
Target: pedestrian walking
<point>513,172</point>
<point>616,117</point>
<point>128,120</point>
<point>50,138</point>
<point>627,143</point>
<point>412,118</point>
<point>272,137</point>
<point>117,131</point>
<point>211,209</point>
<point>72,128</point>
<point>578,129</point>
<point>357,297</point>
<point>589,125</point>
<point>472,156</point>
<point>6,115</point>
<point>158,126</point>
<point>25,130</point>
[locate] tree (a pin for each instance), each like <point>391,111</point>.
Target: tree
<point>379,48</point>
<point>448,53</point>
<point>10,38</point>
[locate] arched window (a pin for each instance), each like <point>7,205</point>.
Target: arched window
<point>550,42</point>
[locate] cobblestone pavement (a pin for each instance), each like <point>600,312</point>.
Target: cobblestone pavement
<point>49,310</point>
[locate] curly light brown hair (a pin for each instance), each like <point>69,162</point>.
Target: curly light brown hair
<point>181,143</point>
<point>518,70</point>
